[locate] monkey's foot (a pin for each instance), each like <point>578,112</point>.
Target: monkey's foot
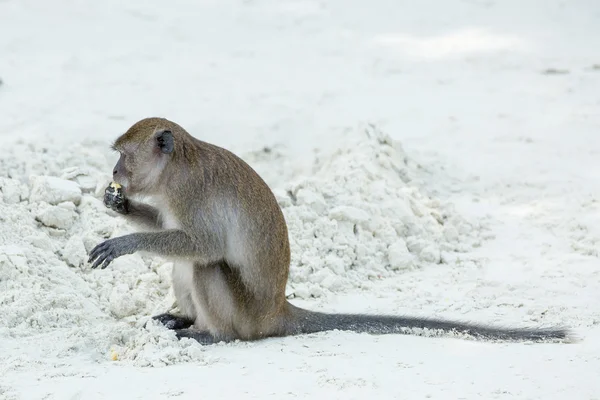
<point>201,337</point>
<point>171,321</point>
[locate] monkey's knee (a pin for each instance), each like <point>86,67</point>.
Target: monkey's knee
<point>171,321</point>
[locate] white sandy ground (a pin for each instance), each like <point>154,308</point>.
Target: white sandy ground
<point>497,101</point>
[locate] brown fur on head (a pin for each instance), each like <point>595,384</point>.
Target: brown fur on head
<point>145,150</point>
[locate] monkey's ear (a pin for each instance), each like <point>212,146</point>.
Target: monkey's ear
<point>165,141</point>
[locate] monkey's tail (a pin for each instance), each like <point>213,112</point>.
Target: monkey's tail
<point>304,321</point>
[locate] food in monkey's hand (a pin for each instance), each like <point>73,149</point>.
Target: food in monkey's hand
<point>114,198</point>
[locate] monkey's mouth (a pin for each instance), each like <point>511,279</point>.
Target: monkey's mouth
<point>123,183</point>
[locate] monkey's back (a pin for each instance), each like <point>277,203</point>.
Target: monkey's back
<point>245,214</point>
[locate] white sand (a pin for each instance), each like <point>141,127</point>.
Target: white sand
<point>491,112</point>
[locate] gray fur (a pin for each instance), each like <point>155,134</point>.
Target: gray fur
<point>143,214</point>
<point>310,322</point>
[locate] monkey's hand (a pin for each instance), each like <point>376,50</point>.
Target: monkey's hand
<point>115,199</point>
<point>110,249</point>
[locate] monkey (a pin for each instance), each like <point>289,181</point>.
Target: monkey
<point>211,213</point>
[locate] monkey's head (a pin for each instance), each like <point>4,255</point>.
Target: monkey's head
<point>145,150</point>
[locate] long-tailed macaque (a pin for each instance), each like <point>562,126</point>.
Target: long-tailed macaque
<point>221,225</point>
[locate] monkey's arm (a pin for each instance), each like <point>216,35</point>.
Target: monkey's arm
<point>142,214</point>
<point>136,212</point>
<point>165,243</point>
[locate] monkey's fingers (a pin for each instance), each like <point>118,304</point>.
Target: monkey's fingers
<point>99,261</point>
<point>116,204</point>
<point>104,259</point>
<point>97,250</point>
<point>108,199</point>
<point>108,260</point>
<point>171,321</point>
<point>104,252</point>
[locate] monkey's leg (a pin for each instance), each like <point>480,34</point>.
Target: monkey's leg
<point>182,279</point>
<point>173,243</point>
<point>181,276</point>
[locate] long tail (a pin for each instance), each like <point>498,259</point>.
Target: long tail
<point>304,321</point>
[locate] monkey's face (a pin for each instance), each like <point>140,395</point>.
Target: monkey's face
<point>122,174</point>
<point>140,165</point>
